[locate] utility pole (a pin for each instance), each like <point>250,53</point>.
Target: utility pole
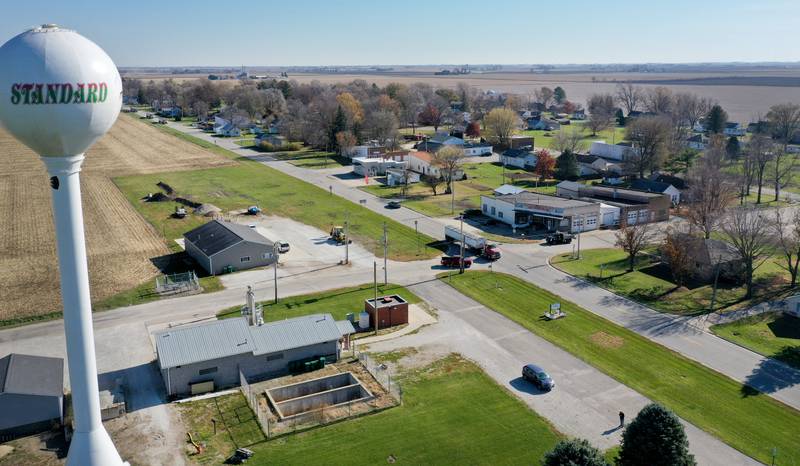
<point>375,303</point>
<point>385,256</point>
<point>714,292</point>
<point>275,269</point>
<point>416,232</point>
<point>452,197</point>
<point>346,238</point>
<point>461,262</point>
<point>580,229</point>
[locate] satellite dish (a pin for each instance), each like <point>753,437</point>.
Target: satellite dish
<point>59,92</point>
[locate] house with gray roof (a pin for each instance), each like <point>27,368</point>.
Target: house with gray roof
<point>708,255</point>
<point>221,247</point>
<point>210,356</point>
<point>31,394</point>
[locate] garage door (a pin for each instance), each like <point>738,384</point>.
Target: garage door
<point>632,218</point>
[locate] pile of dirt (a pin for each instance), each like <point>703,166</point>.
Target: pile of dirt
<point>208,210</point>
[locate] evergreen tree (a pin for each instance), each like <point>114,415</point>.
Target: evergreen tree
<point>559,94</point>
<point>716,119</point>
<point>620,116</point>
<point>575,452</point>
<point>732,147</point>
<point>338,125</point>
<point>567,166</point>
<point>655,438</point>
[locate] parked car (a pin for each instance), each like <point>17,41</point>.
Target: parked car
<point>537,376</point>
<point>455,261</point>
<point>559,238</point>
<point>393,205</point>
<point>283,247</point>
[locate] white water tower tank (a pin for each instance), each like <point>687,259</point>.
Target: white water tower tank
<point>363,320</point>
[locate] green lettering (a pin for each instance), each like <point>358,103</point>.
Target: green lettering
<point>52,94</point>
<point>103,92</point>
<point>66,94</point>
<point>26,91</point>
<point>15,95</point>
<point>36,97</point>
<point>91,96</point>
<point>79,95</point>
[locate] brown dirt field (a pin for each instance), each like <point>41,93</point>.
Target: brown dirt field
<point>120,242</point>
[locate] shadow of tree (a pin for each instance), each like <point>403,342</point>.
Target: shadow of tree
<point>773,374</point>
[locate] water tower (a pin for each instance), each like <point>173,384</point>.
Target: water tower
<point>59,93</point>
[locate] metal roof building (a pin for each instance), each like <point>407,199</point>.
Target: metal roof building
<point>31,393</point>
<point>220,246</point>
<point>216,351</point>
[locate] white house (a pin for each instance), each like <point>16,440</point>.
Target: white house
<point>373,166</point>
<point>543,124</point>
<point>658,187</point>
<point>223,127</point>
<point>734,129</point>
<point>616,152</point>
<point>594,165</point>
<point>477,148</point>
<point>520,158</point>
<point>697,142</point>
<point>398,176</point>
<point>421,162</point>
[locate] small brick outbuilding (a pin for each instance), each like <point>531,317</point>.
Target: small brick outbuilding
<point>392,310</point>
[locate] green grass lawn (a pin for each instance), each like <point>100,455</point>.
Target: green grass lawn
<point>544,139</point>
<point>772,334</point>
<point>338,302</point>
<point>739,416</point>
<point>236,426</point>
<point>248,183</point>
<point>482,178</point>
<point>650,285</point>
<point>452,413</point>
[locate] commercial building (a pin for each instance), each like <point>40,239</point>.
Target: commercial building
<point>210,356</point>
<point>221,247</point>
<point>392,310</point>
<point>635,206</point>
<point>31,394</point>
<point>364,166</point>
<point>541,212</point>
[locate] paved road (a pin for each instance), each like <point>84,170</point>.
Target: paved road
<point>585,401</point>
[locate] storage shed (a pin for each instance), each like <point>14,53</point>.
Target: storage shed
<point>392,310</point>
<point>209,356</point>
<point>31,394</point>
<point>220,247</point>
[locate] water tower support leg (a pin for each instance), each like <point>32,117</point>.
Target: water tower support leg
<point>91,444</point>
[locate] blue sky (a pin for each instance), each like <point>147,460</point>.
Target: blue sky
<point>363,32</point>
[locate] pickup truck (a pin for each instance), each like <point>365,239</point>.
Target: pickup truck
<point>455,261</point>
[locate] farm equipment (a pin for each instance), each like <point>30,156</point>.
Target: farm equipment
<point>473,242</point>
<point>455,261</point>
<point>253,210</point>
<point>559,237</point>
<point>338,235</point>
<point>180,212</point>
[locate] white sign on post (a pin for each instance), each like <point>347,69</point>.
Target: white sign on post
<point>555,307</point>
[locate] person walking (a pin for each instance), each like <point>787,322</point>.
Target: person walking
<point>621,419</point>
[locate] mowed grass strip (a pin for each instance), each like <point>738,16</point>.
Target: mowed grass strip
<point>249,183</point>
<point>337,302</point>
<point>707,399</point>
<point>772,334</point>
<point>452,413</point>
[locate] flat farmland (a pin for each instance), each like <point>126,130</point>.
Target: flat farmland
<point>120,242</point>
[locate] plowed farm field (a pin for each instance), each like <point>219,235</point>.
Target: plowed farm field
<point>120,242</point>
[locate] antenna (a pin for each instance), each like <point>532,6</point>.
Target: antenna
<point>59,93</point>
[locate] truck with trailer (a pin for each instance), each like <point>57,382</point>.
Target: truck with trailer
<point>472,242</point>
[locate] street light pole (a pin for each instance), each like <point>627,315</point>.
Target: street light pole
<point>275,269</point>
<point>346,238</point>
<point>416,232</point>
<point>375,303</point>
<point>385,255</point>
<point>461,262</point>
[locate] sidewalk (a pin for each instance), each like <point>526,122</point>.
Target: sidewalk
<point>417,318</point>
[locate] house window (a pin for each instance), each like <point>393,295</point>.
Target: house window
<point>500,214</point>
<point>266,255</point>
<point>493,210</point>
<point>485,208</point>
<point>207,371</point>
<point>274,357</point>
<point>245,259</point>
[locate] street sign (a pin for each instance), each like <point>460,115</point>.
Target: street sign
<point>555,307</point>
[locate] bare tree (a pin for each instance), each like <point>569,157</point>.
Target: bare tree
<point>568,141</point>
<point>658,100</point>
<point>543,97</point>
<point>759,151</point>
<point>783,167</point>
<point>432,182</point>
<point>345,141</point>
<point>784,122</point>
<point>500,124</point>
<point>787,238</point>
<point>633,239</point>
<point>629,96</point>
<point>601,112</point>
<point>748,229</point>
<point>383,127</point>
<point>448,159</point>
<point>675,251</point>
<point>649,137</point>
<point>711,191</point>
